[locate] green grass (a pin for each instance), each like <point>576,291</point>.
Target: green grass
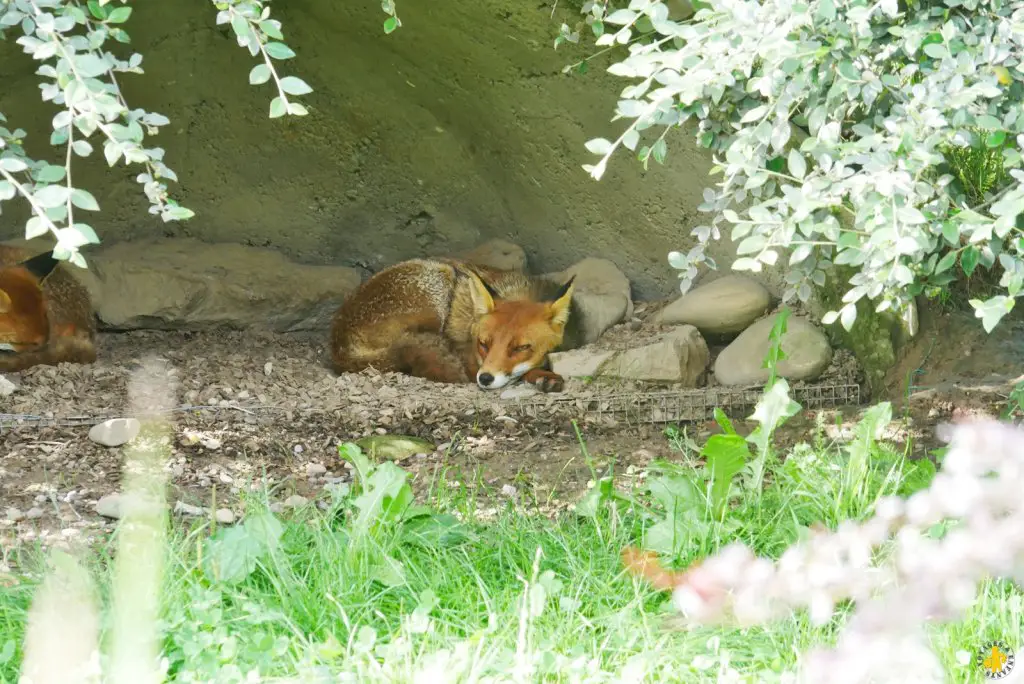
<point>382,590</point>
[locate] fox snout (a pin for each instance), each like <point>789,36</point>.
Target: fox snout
<point>490,380</point>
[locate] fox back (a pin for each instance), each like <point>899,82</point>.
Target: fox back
<point>451,321</point>
<point>45,314</point>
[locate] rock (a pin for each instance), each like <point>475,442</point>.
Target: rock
<point>579,363</point>
<point>34,513</point>
<point>296,501</point>
<point>6,387</point>
<point>724,306</point>
<point>224,516</point>
<point>14,515</point>
<point>115,432</point>
<point>182,508</point>
<point>498,254</point>
<point>109,506</point>
<point>394,447</point>
<point>186,284</point>
<point>518,392</point>
<point>807,350</point>
<point>680,356</point>
<point>315,469</point>
<point>602,296</point>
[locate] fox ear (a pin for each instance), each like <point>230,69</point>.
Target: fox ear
<point>483,295</point>
<point>40,265</point>
<point>5,302</point>
<point>559,306</point>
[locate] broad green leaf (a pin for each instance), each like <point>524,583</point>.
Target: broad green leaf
<point>969,260</point>
<point>945,263</point>
<point>726,455</point>
<point>995,139</point>
<point>119,15</point>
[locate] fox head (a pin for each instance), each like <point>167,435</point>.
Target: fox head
<point>513,336</point>
<point>24,323</point>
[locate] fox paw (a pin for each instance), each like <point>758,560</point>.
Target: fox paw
<point>544,380</point>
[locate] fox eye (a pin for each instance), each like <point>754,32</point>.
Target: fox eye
<point>483,346</point>
<point>522,349</point>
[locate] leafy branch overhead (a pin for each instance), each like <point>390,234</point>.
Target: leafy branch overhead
<point>80,76</point>
<point>841,132</point>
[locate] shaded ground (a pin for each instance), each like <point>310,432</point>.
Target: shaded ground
<point>267,408</point>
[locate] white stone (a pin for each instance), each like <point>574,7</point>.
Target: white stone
<point>115,432</point>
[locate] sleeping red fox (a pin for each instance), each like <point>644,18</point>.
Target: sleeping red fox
<point>451,321</point>
<point>45,314</point>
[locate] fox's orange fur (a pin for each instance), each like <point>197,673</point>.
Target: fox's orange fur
<point>45,314</point>
<point>451,321</point>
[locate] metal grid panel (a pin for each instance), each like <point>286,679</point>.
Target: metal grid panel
<point>692,405</point>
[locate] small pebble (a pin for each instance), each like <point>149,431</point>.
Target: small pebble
<point>115,432</point>
<point>296,501</point>
<point>109,506</point>
<point>509,490</point>
<point>224,516</point>
<point>518,392</point>
<point>6,387</point>
<point>315,469</point>
<point>34,513</point>
<point>297,448</point>
<point>14,515</point>
<point>183,508</point>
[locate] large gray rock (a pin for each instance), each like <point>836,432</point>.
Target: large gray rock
<point>499,254</point>
<point>722,307</point>
<point>807,353</point>
<point>679,356</point>
<point>186,284</point>
<point>601,293</point>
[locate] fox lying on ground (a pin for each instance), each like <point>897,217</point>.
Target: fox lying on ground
<point>45,314</point>
<point>451,321</point>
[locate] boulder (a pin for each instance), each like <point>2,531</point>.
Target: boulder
<point>722,307</point>
<point>807,353</point>
<point>601,294</point>
<point>679,356</point>
<point>498,254</point>
<point>186,284</point>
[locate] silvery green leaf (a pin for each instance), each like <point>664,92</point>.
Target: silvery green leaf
<point>51,196</point>
<point>12,164</point>
<point>295,86</point>
<point>259,74</point>
<point>796,163</point>
<point>630,139</point>
<point>601,146</point>
<point>36,227</point>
